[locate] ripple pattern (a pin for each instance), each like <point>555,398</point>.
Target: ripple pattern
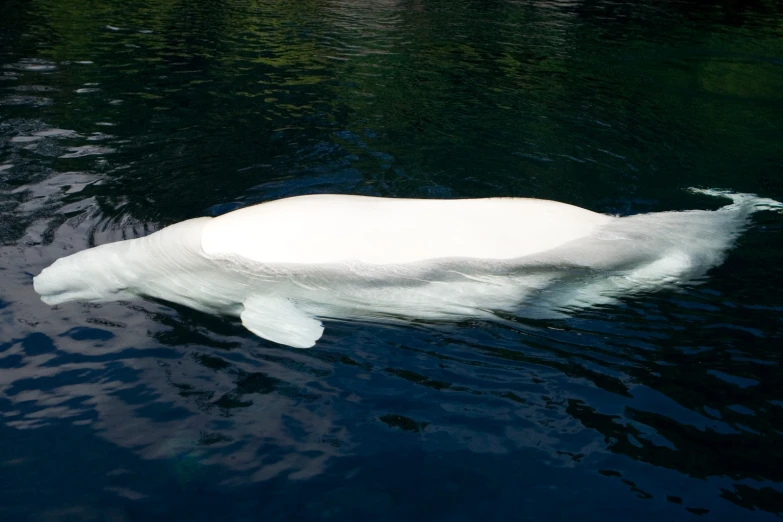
<point>119,118</point>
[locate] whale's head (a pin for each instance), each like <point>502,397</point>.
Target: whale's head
<point>126,269</point>
<point>80,277</point>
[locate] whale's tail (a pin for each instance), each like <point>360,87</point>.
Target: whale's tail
<point>748,202</point>
<point>648,252</point>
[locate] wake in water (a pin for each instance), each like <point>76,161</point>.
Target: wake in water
<point>285,265</point>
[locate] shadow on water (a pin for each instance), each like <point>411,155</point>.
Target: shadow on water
<point>120,118</point>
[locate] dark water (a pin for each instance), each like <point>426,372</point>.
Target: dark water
<point>120,117</point>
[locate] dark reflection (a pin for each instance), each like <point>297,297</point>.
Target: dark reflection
<point>118,118</point>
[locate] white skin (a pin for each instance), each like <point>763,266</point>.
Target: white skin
<point>382,231</point>
<point>283,265</point>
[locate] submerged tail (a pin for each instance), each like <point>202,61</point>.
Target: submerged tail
<point>748,202</point>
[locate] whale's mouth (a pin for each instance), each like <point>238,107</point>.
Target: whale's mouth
<point>65,296</point>
<point>58,284</point>
<point>86,295</point>
<point>55,292</point>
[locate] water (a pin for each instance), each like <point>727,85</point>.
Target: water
<point>119,118</point>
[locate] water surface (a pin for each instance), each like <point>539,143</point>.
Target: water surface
<point>119,118</point>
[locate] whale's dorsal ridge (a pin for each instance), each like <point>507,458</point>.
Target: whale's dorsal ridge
<point>328,229</point>
<point>279,320</point>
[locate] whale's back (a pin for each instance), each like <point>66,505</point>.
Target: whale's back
<point>337,228</point>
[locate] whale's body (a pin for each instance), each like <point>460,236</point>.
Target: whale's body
<point>284,265</point>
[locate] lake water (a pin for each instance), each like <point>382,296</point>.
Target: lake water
<point>120,117</point>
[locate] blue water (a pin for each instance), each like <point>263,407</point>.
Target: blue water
<point>119,118</point>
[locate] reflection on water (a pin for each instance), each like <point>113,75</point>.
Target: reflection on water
<point>118,119</point>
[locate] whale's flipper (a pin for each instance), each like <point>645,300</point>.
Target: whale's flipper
<point>278,320</point>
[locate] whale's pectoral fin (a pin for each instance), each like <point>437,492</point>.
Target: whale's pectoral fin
<point>279,320</point>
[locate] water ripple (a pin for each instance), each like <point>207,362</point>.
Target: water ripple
<point>120,119</point>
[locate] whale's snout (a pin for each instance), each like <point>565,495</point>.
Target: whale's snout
<point>77,278</point>
<point>60,283</point>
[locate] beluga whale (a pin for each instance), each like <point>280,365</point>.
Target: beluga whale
<point>285,266</point>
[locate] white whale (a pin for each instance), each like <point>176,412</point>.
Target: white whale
<point>283,266</point>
